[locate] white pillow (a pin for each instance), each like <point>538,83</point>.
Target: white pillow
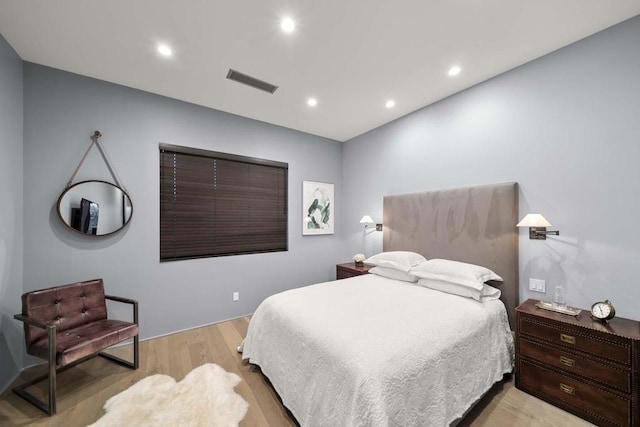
<point>400,260</point>
<point>393,273</point>
<point>464,274</point>
<point>487,292</point>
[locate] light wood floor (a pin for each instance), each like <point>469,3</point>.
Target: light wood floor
<point>82,390</point>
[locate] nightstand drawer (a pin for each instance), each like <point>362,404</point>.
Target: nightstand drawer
<point>577,340</point>
<point>591,402</point>
<point>344,274</point>
<point>605,374</point>
<point>349,269</point>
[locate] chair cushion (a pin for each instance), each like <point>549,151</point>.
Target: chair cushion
<point>68,306</point>
<point>75,343</point>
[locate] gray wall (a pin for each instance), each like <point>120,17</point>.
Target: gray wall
<point>566,127</point>
<point>11,344</point>
<point>61,111</point>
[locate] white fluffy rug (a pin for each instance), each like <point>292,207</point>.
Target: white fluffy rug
<point>205,397</point>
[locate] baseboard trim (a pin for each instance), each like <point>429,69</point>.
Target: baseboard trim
<point>195,327</point>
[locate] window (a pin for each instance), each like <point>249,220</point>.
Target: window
<point>216,204</point>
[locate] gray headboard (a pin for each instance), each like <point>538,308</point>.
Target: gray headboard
<point>472,224</point>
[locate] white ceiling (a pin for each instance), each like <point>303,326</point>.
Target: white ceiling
<point>352,55</point>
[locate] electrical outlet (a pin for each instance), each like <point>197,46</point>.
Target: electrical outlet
<point>537,285</point>
<point>236,296</point>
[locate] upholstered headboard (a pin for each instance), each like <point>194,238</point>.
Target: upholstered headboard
<point>472,224</point>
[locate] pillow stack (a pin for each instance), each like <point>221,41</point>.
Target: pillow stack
<point>395,264</point>
<point>459,278</point>
<point>453,277</point>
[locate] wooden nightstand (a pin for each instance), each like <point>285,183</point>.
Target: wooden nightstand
<point>349,269</point>
<point>579,364</point>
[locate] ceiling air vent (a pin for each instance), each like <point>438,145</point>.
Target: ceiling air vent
<point>251,81</point>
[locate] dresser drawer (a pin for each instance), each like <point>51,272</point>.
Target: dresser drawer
<point>600,372</point>
<point>585,400</point>
<point>576,340</point>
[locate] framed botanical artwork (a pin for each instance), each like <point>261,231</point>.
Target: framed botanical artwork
<point>318,208</point>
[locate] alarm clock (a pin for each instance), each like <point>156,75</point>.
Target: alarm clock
<point>603,310</point>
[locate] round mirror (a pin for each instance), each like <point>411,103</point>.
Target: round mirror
<point>95,208</point>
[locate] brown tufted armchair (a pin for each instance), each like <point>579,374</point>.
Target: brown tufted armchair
<point>67,325</point>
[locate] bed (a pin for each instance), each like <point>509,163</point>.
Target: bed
<point>376,351</point>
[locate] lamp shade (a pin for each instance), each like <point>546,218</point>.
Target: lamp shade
<point>534,220</point>
<point>367,220</point>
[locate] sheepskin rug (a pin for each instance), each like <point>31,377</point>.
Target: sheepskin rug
<point>205,397</point>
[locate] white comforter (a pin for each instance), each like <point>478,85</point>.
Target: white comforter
<point>372,351</point>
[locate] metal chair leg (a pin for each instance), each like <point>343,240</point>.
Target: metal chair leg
<point>21,391</point>
<point>136,352</point>
<point>52,371</point>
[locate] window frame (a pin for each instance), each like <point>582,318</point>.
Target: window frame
<point>166,255</point>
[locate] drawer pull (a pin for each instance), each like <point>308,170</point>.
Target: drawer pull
<point>568,389</point>
<point>567,362</point>
<point>567,338</point>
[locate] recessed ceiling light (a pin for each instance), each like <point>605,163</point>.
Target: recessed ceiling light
<point>390,103</point>
<point>164,50</point>
<point>287,25</point>
<point>454,71</point>
<point>312,102</point>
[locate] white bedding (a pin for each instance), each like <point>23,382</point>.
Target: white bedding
<point>373,351</point>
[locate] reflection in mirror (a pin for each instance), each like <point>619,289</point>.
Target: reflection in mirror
<point>95,208</point>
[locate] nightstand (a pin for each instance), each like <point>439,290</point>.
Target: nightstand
<point>349,269</point>
<point>579,364</point>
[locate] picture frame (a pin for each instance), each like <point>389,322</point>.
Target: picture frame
<point>318,208</point>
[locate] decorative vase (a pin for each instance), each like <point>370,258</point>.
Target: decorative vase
<point>359,263</point>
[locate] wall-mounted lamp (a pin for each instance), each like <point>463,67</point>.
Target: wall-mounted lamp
<point>537,226</point>
<point>368,222</point>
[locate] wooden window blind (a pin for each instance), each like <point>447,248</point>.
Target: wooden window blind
<point>217,204</point>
